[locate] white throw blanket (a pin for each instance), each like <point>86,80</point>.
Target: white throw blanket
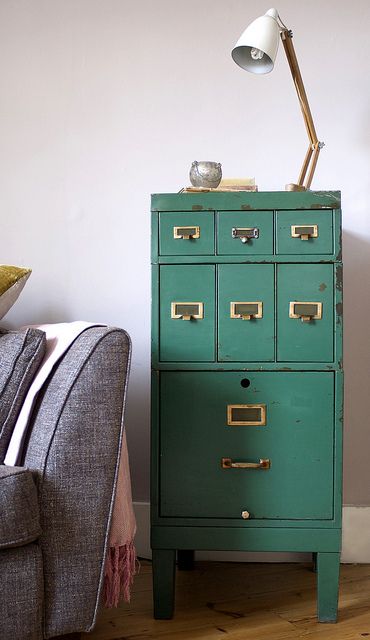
<point>121,558</point>
<point>59,338</point>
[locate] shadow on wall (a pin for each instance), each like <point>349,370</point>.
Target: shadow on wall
<point>40,314</point>
<point>357,369</point>
<point>137,420</point>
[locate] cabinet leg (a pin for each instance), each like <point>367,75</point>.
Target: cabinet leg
<point>314,562</point>
<point>185,559</point>
<point>327,586</point>
<point>164,565</point>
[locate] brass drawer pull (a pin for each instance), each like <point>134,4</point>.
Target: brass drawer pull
<point>187,310</point>
<point>304,232</point>
<point>246,310</point>
<point>245,233</point>
<point>227,463</point>
<point>306,311</point>
<point>246,415</point>
<point>186,233</point>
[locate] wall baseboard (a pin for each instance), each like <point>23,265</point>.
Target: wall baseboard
<point>356,540</point>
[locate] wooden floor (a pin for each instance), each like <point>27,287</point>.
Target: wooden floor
<point>241,601</point>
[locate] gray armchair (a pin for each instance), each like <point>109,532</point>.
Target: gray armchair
<point>56,506</point>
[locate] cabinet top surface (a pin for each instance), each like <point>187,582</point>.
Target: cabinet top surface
<point>245,200</point>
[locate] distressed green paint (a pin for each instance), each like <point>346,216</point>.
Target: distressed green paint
<point>246,201</point>
<point>170,246</point>
<point>229,537</point>
<point>286,244</point>
<point>244,366</point>
<point>337,226</point>
<point>163,563</point>
<point>155,314</point>
<point>198,368</point>
<point>287,258</point>
<point>338,447</point>
<point>193,339</point>
<point>299,341</point>
<point>246,340</point>
<point>327,586</point>
<point>260,220</point>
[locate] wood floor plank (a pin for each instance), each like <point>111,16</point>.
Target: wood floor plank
<point>241,601</point>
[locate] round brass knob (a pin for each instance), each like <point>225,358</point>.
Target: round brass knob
<point>245,515</point>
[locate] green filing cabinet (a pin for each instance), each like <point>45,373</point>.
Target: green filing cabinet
<point>246,381</point>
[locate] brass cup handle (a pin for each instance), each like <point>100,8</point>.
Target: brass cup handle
<point>304,232</point>
<point>228,463</point>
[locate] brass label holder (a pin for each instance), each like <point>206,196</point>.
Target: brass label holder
<point>305,311</point>
<point>246,415</point>
<point>186,233</point>
<point>246,310</point>
<point>187,310</point>
<point>245,233</point>
<point>304,232</point>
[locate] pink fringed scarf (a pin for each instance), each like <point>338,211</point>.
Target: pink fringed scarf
<point>120,564</point>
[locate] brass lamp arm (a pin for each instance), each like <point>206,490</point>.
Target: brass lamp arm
<point>310,161</point>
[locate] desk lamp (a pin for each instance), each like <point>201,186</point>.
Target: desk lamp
<point>256,51</point>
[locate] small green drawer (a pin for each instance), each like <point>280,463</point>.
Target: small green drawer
<point>186,233</point>
<point>305,318</point>
<point>187,313</point>
<point>243,289</point>
<point>244,233</point>
<point>304,232</point>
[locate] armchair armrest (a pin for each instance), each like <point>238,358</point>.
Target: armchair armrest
<point>20,520</point>
<point>74,449</point>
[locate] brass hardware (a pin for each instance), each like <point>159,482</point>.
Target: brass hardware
<point>315,146</point>
<point>186,233</point>
<point>306,311</point>
<point>245,233</point>
<point>187,310</point>
<point>246,415</point>
<point>304,232</point>
<point>246,515</point>
<point>227,463</point>
<point>246,310</point>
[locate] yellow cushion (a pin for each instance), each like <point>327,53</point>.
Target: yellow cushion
<point>12,281</point>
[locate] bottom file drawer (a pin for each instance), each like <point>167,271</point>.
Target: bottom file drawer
<point>255,444</point>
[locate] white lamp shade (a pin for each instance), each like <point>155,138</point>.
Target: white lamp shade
<point>263,34</point>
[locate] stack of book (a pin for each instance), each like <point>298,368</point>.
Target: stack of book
<point>228,184</point>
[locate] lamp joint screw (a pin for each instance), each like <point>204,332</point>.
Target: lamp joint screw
<point>321,145</point>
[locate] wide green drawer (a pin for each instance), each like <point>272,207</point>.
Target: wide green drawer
<point>186,233</point>
<point>245,233</point>
<point>202,422</point>
<point>304,232</point>
<point>187,313</point>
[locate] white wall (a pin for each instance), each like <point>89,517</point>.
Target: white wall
<point>104,101</point>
